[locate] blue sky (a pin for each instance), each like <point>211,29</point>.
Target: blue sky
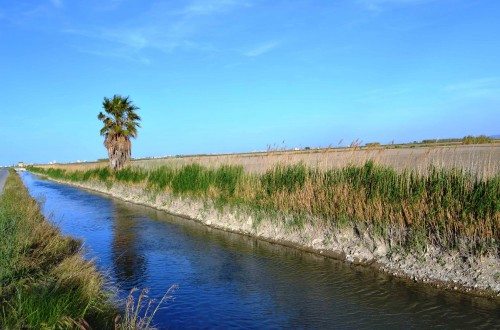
<point>238,75</point>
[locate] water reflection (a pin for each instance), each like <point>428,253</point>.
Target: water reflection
<point>129,264</point>
<point>234,281</point>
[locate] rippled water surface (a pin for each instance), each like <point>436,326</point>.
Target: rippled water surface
<point>232,281</point>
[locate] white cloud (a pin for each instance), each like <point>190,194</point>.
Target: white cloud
<point>261,49</point>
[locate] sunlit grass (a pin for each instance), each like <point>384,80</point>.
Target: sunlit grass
<point>44,281</point>
<point>451,208</point>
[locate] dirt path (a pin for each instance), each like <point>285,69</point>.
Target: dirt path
<point>4,173</point>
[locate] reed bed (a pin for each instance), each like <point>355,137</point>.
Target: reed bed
<point>481,160</point>
<point>448,207</point>
<point>44,280</point>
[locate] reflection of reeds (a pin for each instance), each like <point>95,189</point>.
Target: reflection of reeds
<point>448,207</point>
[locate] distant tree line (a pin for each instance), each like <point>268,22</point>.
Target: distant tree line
<point>469,139</point>
<point>373,144</point>
<point>476,139</point>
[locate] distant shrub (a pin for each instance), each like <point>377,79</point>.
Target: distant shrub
<point>476,139</point>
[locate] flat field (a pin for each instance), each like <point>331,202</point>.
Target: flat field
<point>482,160</point>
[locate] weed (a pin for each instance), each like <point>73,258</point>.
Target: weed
<point>140,311</point>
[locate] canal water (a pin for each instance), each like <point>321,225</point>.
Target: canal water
<point>230,281</point>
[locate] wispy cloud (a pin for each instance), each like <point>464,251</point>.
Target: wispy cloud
<point>57,3</point>
<point>380,5</point>
<point>486,87</point>
<point>383,94</point>
<point>212,7</point>
<point>162,28</point>
<point>117,54</point>
<point>261,49</point>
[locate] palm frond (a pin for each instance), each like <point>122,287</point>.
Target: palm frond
<point>120,124</point>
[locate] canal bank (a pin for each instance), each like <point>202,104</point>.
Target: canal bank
<point>44,280</point>
<point>236,281</point>
<point>432,266</point>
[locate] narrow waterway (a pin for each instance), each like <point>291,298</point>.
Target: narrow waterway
<point>231,281</point>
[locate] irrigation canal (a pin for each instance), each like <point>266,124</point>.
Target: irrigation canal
<point>232,281</point>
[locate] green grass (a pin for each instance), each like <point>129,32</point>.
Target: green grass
<point>44,281</point>
<point>160,178</point>
<point>450,208</point>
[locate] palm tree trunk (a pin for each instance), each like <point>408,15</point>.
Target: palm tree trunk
<point>119,150</point>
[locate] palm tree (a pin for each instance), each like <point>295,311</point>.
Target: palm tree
<point>120,124</point>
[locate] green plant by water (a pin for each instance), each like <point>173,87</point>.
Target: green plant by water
<point>450,208</point>
<point>45,283</point>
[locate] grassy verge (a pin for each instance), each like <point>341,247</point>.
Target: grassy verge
<point>44,280</point>
<point>449,208</point>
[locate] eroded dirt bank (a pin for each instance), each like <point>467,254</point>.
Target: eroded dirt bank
<point>450,270</point>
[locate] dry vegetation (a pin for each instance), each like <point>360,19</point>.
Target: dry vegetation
<point>448,197</point>
<point>481,160</point>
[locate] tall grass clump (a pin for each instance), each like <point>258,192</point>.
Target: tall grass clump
<point>226,179</point>
<point>192,178</point>
<point>44,280</point>
<point>198,180</point>
<point>140,310</point>
<point>160,178</point>
<point>450,208</point>
<point>287,178</point>
<point>130,174</point>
